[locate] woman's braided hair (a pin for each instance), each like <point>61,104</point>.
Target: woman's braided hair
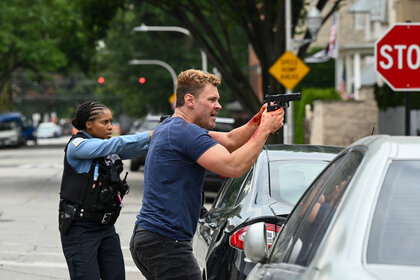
<point>87,111</point>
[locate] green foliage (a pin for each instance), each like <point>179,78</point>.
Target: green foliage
<point>28,36</point>
<point>225,29</point>
<point>320,75</point>
<point>122,45</point>
<point>48,36</point>
<point>63,36</point>
<point>386,98</point>
<point>309,95</point>
<point>317,84</point>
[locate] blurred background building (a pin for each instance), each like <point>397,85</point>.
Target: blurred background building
<point>348,37</point>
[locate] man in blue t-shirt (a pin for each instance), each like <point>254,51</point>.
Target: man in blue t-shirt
<point>181,150</point>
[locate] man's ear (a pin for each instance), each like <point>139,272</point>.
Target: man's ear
<point>88,124</point>
<point>189,100</point>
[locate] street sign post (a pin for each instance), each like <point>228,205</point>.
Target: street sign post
<point>397,57</point>
<point>289,70</point>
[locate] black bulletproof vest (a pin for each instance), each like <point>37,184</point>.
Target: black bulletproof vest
<point>102,195</point>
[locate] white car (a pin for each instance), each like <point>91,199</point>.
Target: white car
<point>9,134</point>
<point>360,219</point>
<point>48,130</point>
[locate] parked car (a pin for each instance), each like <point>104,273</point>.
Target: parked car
<point>16,129</point>
<point>267,192</point>
<point>148,123</point>
<point>9,134</point>
<point>358,220</point>
<point>48,130</point>
<point>212,181</point>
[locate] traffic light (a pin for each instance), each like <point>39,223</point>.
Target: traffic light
<point>101,80</point>
<point>142,80</point>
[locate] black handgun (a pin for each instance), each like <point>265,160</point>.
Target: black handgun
<point>278,101</point>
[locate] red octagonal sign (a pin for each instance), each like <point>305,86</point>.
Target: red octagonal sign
<point>397,56</point>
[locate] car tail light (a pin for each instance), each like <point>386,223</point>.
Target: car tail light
<point>237,238</point>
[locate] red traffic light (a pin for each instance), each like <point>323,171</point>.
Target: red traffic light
<point>142,80</point>
<point>101,80</point>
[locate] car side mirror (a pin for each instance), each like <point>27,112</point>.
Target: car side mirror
<point>255,243</point>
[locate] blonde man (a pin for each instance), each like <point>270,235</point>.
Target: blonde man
<point>181,150</point>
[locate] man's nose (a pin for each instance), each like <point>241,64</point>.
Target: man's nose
<point>218,106</point>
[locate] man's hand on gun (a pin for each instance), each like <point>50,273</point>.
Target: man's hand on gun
<point>273,120</point>
<point>276,103</point>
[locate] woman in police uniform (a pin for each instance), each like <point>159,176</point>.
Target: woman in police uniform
<point>92,191</point>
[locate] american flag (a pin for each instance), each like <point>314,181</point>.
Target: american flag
<point>332,44</point>
<point>342,86</point>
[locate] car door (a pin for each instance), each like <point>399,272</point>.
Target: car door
<point>309,221</point>
<point>211,225</point>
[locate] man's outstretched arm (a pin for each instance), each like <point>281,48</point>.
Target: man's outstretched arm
<point>237,137</point>
<point>220,160</point>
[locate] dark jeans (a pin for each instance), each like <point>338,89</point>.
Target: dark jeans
<point>93,251</point>
<point>159,257</point>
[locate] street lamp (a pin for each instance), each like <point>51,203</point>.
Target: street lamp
<point>313,21</point>
<point>146,28</point>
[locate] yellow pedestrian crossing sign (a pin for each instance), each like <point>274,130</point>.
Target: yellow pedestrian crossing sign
<point>289,70</point>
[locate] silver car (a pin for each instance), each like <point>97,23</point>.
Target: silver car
<point>360,219</point>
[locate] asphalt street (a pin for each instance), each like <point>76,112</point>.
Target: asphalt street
<point>30,247</point>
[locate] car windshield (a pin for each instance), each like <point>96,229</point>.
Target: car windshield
<point>290,178</point>
<point>7,126</point>
<point>396,223</point>
<point>45,129</point>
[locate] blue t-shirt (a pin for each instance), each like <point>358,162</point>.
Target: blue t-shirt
<point>173,180</point>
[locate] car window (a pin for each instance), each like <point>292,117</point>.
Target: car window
<point>309,221</point>
<point>290,178</point>
<point>246,187</point>
<point>395,228</point>
<point>7,126</point>
<point>229,192</point>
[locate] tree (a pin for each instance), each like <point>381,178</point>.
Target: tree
<point>49,36</point>
<point>176,49</point>
<point>213,23</point>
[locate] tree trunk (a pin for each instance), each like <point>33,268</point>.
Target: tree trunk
<point>6,95</point>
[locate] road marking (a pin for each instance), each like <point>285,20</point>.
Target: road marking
<point>4,263</point>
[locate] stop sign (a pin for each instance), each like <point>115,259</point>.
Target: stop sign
<point>397,56</point>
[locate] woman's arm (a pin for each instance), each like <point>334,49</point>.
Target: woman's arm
<point>126,146</point>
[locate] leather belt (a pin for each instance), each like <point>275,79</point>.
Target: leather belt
<point>103,218</point>
<point>139,228</point>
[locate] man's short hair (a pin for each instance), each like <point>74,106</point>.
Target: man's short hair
<point>193,82</point>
